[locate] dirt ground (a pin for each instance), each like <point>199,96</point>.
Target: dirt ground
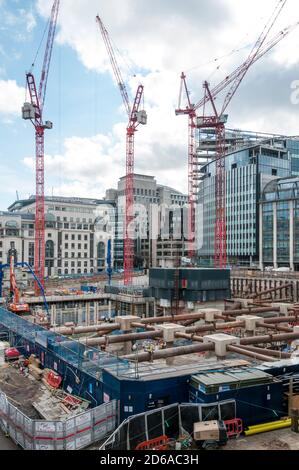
<point>20,390</point>
<point>283,439</point>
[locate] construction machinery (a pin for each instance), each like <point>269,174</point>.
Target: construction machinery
<point>14,304</point>
<point>136,117</point>
<point>217,121</point>
<point>33,111</point>
<point>210,435</point>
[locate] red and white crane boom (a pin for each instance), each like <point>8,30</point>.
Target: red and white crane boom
<point>218,121</point>
<point>135,117</point>
<point>33,111</point>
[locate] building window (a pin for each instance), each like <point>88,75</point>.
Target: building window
<point>49,249</point>
<point>66,271</point>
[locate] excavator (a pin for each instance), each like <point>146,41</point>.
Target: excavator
<point>14,304</point>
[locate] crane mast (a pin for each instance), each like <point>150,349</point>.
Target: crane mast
<point>33,111</point>
<point>218,121</point>
<point>191,113</point>
<point>135,117</point>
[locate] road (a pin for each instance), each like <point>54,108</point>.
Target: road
<point>6,443</point>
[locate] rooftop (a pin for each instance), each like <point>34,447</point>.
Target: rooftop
<point>20,204</point>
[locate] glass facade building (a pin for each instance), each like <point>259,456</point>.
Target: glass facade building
<point>248,171</point>
<point>279,224</point>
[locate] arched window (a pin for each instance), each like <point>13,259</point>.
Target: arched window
<point>49,249</point>
<point>66,271</point>
<point>101,250</point>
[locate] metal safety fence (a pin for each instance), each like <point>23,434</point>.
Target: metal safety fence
<point>77,432</point>
<point>171,421</point>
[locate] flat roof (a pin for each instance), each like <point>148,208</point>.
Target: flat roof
<point>160,370</point>
<point>231,376</point>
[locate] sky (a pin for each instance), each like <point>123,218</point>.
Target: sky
<point>154,42</point>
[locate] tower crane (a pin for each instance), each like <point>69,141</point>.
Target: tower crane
<point>135,118</point>
<point>33,111</point>
<point>218,121</point>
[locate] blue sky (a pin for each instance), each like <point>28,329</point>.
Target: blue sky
<point>79,101</point>
<point>85,152</point>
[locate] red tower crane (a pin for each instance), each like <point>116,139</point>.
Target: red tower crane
<point>217,121</point>
<point>136,117</point>
<point>33,111</point>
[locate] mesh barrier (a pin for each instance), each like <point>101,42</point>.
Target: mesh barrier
<point>75,433</point>
<point>87,359</point>
<point>171,421</point>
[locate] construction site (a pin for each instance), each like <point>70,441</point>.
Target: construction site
<point>192,356</point>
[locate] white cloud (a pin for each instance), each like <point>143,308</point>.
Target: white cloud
<point>11,97</point>
<point>164,38</point>
<point>29,19</point>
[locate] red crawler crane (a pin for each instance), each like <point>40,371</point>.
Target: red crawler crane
<point>136,117</point>
<point>34,112</point>
<point>15,306</point>
<point>217,121</point>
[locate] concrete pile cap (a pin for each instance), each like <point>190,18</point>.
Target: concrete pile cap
<point>284,308</point>
<point>126,321</point>
<point>210,314</point>
<point>250,321</point>
<point>245,303</point>
<point>169,330</point>
<point>221,342</point>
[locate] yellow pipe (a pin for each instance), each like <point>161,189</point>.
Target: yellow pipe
<point>258,426</point>
<point>268,427</point>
